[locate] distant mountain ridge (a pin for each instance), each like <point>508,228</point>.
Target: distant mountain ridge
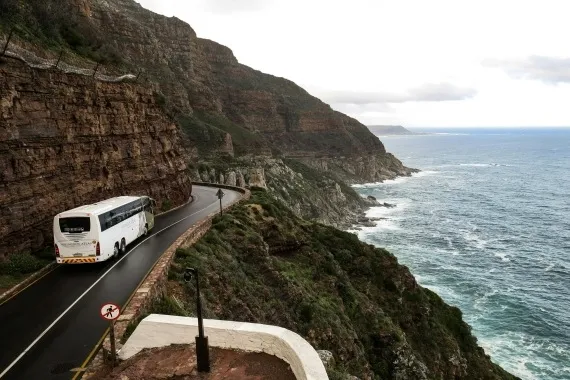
<point>391,130</point>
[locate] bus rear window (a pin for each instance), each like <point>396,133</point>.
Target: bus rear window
<point>75,225</point>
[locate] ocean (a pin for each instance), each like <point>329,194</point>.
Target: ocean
<point>486,225</point>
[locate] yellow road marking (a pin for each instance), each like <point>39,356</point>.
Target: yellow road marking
<point>81,369</point>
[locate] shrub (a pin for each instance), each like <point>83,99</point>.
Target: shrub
<point>166,205</point>
<point>21,263</point>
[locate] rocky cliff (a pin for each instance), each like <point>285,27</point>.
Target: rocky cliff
<point>204,84</point>
<point>311,194</point>
<point>221,107</point>
<point>67,139</point>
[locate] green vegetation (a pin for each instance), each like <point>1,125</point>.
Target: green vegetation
<point>55,25</point>
<point>208,131</point>
<point>166,205</point>
<point>20,265</point>
<point>259,263</point>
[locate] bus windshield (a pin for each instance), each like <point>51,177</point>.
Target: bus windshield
<point>75,224</point>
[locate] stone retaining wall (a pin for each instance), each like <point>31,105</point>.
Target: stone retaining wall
<point>153,286</point>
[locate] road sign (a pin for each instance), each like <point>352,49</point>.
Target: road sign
<point>220,193</point>
<point>110,311</point>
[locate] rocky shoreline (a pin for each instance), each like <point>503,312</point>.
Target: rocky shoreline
<point>370,221</point>
<point>311,193</point>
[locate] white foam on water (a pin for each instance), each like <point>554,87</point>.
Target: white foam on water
<point>480,303</point>
<point>446,251</point>
<point>394,181</point>
<point>503,256</point>
<point>381,211</point>
<point>481,165</point>
<point>475,165</point>
<point>400,180</point>
<point>532,356</point>
<point>446,293</point>
<point>473,239</point>
<point>497,345</point>
<point>381,225</point>
<point>366,185</point>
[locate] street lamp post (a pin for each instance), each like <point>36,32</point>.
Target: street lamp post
<point>202,350</point>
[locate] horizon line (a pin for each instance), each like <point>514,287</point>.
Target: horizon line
<point>472,127</point>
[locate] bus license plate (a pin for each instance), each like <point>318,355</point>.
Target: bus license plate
<point>78,254</point>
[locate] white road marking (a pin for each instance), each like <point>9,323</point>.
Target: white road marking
<point>215,204</point>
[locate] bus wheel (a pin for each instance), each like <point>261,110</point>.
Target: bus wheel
<point>116,251</point>
<point>123,246</point>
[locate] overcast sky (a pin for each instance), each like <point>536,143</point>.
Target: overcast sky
<point>440,63</point>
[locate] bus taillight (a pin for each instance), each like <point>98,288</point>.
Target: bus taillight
<point>56,250</point>
<point>98,249</point>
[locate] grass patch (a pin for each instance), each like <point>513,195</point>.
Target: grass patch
<point>18,266</point>
<point>55,25</point>
<point>21,264</point>
<point>209,127</point>
<point>166,205</point>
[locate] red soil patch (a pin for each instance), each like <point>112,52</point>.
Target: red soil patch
<point>179,362</point>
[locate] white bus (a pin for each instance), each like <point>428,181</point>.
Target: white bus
<point>102,230</point>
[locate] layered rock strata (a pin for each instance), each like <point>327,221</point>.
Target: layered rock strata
<point>67,140</point>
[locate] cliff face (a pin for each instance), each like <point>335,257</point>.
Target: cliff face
<point>61,132</point>
<point>311,194</point>
<point>202,78</point>
<point>66,140</point>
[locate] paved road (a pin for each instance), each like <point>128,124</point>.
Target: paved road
<point>52,326</point>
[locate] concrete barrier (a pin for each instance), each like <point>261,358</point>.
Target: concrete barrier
<point>159,330</point>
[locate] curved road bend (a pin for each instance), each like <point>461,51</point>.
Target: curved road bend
<point>52,326</point>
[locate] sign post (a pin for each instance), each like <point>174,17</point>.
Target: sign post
<point>220,194</point>
<point>110,312</point>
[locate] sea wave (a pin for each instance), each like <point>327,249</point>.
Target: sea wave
<point>481,165</point>
<point>524,363</point>
<point>506,230</point>
<point>394,181</point>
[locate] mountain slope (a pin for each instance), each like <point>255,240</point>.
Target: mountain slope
<point>216,95</point>
<point>259,263</point>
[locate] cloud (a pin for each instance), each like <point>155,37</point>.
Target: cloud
<point>429,92</point>
<point>549,70</point>
<point>232,6</point>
